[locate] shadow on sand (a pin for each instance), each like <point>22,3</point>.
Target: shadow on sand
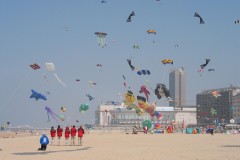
<point>231,146</point>
<point>47,152</point>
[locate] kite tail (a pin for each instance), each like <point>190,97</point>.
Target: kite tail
<point>59,80</point>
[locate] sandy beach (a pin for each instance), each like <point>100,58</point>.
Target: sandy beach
<point>112,145</point>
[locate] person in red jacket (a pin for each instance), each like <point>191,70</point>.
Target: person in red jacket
<point>80,135</point>
<point>59,133</point>
<point>53,135</point>
<point>73,135</point>
<point>67,135</point>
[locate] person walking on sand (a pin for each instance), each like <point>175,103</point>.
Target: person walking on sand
<point>67,135</point>
<point>59,134</point>
<point>73,135</point>
<point>80,135</point>
<point>53,135</point>
<point>44,142</point>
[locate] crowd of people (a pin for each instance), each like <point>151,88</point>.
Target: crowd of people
<point>70,135</point>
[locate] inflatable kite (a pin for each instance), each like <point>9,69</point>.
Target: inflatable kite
<point>205,64</point>
<point>84,107</point>
<point>101,38</point>
<point>167,61</point>
<point>51,68</point>
<point>130,64</point>
<point>145,91</point>
<point>151,31</point>
<point>151,109</point>
<point>129,100</point>
<point>211,69</point>
<point>53,114</point>
<point>89,97</point>
<point>161,90</point>
<point>144,72</point>
<point>200,18</point>
<point>37,95</point>
<point>129,19</point>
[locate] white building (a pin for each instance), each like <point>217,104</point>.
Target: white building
<point>117,115</point>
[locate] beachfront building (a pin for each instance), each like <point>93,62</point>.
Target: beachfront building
<point>177,87</point>
<point>215,106</point>
<point>117,115</point>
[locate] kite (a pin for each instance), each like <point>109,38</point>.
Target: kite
<point>161,90</point>
<point>145,91</point>
<point>144,72</point>
<point>135,46</point>
<point>63,109</point>
<point>151,109</point>
<point>35,66</point>
<point>211,69</point>
<point>84,107</point>
<point>213,111</point>
<point>37,95</point>
<point>53,114</point>
<point>237,21</point>
<point>147,123</point>
<point>197,15</point>
<point>101,38</point>
<point>151,31</point>
<point>130,16</point>
<point>99,65</point>
<point>216,94</point>
<point>51,68</point>
<point>130,64</point>
<point>235,92</point>
<point>205,64</point>
<point>59,80</point>
<point>129,99</point>
<point>89,97</point>
<point>167,61</point>
<point>103,1</point>
<point>77,80</point>
<point>123,77</point>
<point>91,83</point>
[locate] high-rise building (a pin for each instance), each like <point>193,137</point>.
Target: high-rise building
<point>177,87</point>
<point>215,106</point>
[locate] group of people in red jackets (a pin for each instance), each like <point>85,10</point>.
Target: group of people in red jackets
<point>69,133</point>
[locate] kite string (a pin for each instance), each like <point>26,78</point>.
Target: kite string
<point>14,92</point>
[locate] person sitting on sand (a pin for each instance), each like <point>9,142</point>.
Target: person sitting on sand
<point>53,135</point>
<point>44,142</point>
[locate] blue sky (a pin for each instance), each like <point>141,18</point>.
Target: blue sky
<point>33,32</point>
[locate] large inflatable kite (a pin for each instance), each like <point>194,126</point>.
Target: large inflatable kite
<point>37,95</point>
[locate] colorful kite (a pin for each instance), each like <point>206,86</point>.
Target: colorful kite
<point>51,68</point>
<point>53,114</point>
<point>161,90</point>
<point>101,38</point>
<point>84,107</point>
<point>151,109</point>
<point>145,91</point>
<point>35,66</point>
<point>167,61</point>
<point>144,72</point>
<point>37,95</point>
